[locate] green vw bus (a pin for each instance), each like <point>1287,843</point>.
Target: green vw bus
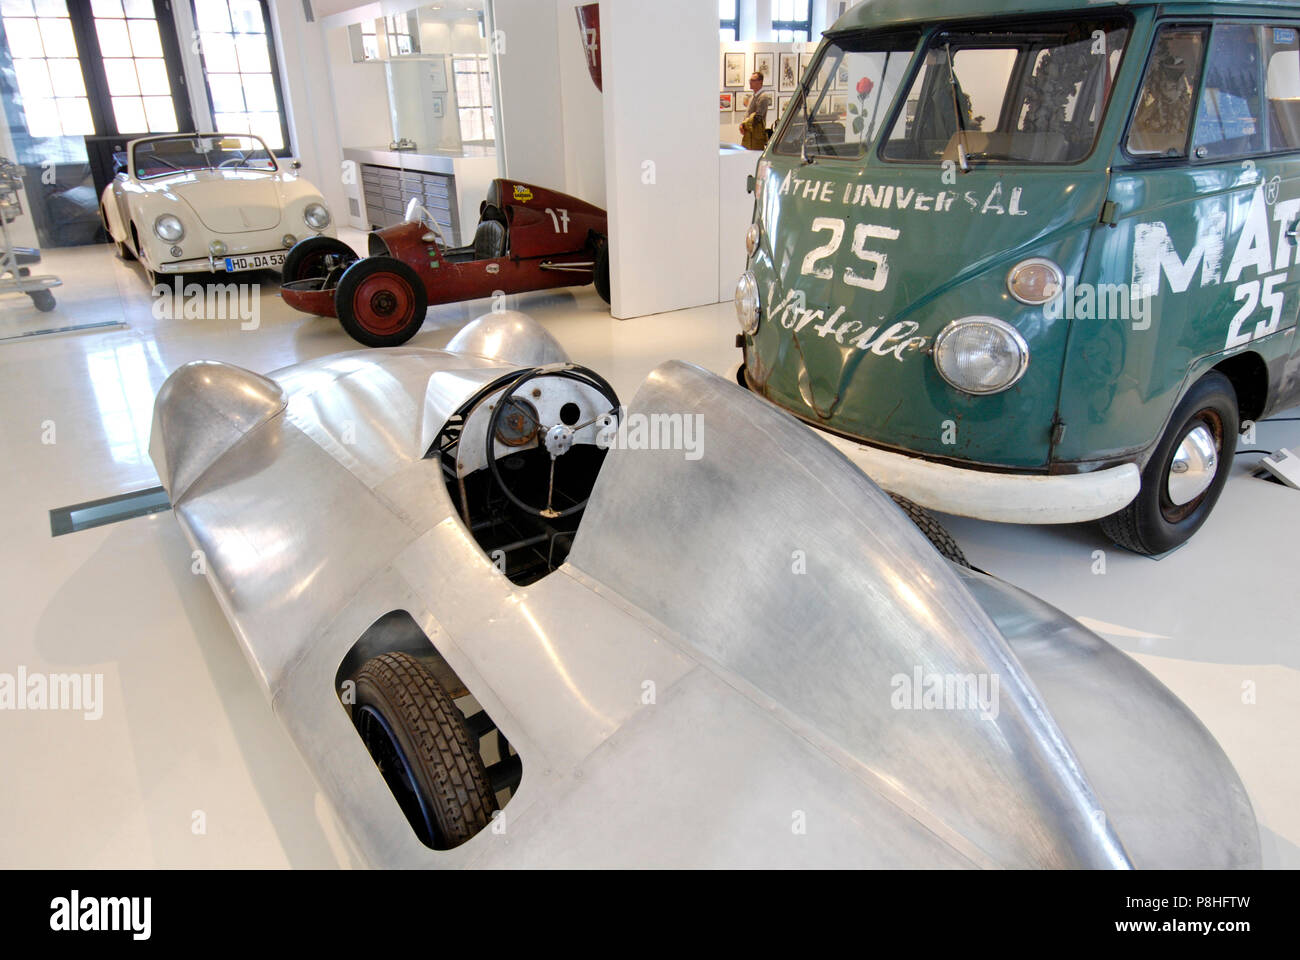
<point>1036,267</point>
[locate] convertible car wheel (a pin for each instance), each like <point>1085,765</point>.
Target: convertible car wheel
<point>121,246</point>
<point>316,257</point>
<point>420,743</point>
<point>1185,475</point>
<point>381,302</point>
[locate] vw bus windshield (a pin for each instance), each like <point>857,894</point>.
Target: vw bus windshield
<point>846,98</point>
<point>1019,94</point>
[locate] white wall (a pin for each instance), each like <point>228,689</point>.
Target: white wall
<point>582,109</point>
<point>661,153</point>
<point>528,77</point>
<point>364,121</point>
<point>309,101</point>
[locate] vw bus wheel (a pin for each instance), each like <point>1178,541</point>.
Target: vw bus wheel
<point>381,302</point>
<point>315,257</point>
<point>1186,473</point>
<point>933,530</point>
<point>601,278</point>
<point>417,738</point>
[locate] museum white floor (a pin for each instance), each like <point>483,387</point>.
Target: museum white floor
<point>187,766</point>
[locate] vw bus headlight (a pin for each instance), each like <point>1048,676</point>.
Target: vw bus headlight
<point>752,236</point>
<point>316,216</point>
<point>981,355</point>
<point>168,228</point>
<point>1035,281</point>
<point>747,306</point>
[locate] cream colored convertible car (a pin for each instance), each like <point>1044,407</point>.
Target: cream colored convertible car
<point>215,202</point>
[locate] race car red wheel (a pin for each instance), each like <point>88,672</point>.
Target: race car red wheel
<point>316,257</point>
<point>381,302</point>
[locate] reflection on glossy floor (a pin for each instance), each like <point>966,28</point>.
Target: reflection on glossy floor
<point>188,766</point>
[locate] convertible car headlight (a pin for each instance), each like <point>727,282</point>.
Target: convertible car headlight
<point>752,236</point>
<point>1035,281</point>
<point>316,216</point>
<point>747,305</point>
<point>981,354</point>
<point>168,228</point>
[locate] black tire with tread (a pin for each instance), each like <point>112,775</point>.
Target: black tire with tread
<point>353,278</point>
<point>1141,526</point>
<point>934,531</point>
<point>303,251</point>
<point>431,734</point>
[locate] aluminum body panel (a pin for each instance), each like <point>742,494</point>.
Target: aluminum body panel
<point>771,691</point>
<point>1163,780</point>
<point>875,602</point>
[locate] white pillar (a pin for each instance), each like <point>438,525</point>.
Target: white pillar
<point>660,63</point>
<point>528,77</point>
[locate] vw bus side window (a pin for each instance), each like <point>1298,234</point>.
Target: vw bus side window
<point>1249,102</point>
<point>1282,87</point>
<point>1011,93</point>
<point>849,92</point>
<point>1228,122</point>
<point>1163,119</point>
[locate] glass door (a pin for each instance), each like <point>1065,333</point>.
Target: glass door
<point>108,70</point>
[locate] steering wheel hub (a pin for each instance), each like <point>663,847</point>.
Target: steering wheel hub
<point>558,440</point>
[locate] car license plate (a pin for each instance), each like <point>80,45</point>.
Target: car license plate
<point>255,261</point>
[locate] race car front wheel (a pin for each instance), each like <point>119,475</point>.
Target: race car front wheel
<point>381,302</point>
<point>428,758</point>
<point>1185,475</point>
<point>316,257</point>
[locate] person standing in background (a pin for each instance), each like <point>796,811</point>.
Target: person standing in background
<point>753,130</point>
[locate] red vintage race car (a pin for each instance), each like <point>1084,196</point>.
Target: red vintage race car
<point>528,238</point>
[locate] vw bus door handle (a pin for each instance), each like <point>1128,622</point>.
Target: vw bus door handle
<point>1292,232</point>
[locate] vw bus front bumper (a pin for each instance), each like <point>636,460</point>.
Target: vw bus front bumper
<point>1000,497</point>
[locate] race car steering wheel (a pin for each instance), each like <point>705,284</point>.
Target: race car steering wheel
<point>556,440</point>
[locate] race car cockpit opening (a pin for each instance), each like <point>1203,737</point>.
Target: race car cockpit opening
<point>521,457</point>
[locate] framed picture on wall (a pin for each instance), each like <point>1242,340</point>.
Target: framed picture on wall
<point>842,78</point>
<point>726,102</point>
<point>783,104</point>
<point>788,78</point>
<point>743,100</point>
<point>838,104</point>
<point>439,109</point>
<point>805,61</point>
<point>763,65</point>
<point>733,70</point>
<point>438,76</point>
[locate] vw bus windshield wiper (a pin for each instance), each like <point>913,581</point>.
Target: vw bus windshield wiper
<point>807,127</point>
<point>963,154</point>
<point>807,118</point>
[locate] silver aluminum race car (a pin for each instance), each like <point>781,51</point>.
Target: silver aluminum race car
<point>509,623</point>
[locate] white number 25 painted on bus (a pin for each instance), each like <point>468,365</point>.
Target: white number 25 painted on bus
<point>862,232</point>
